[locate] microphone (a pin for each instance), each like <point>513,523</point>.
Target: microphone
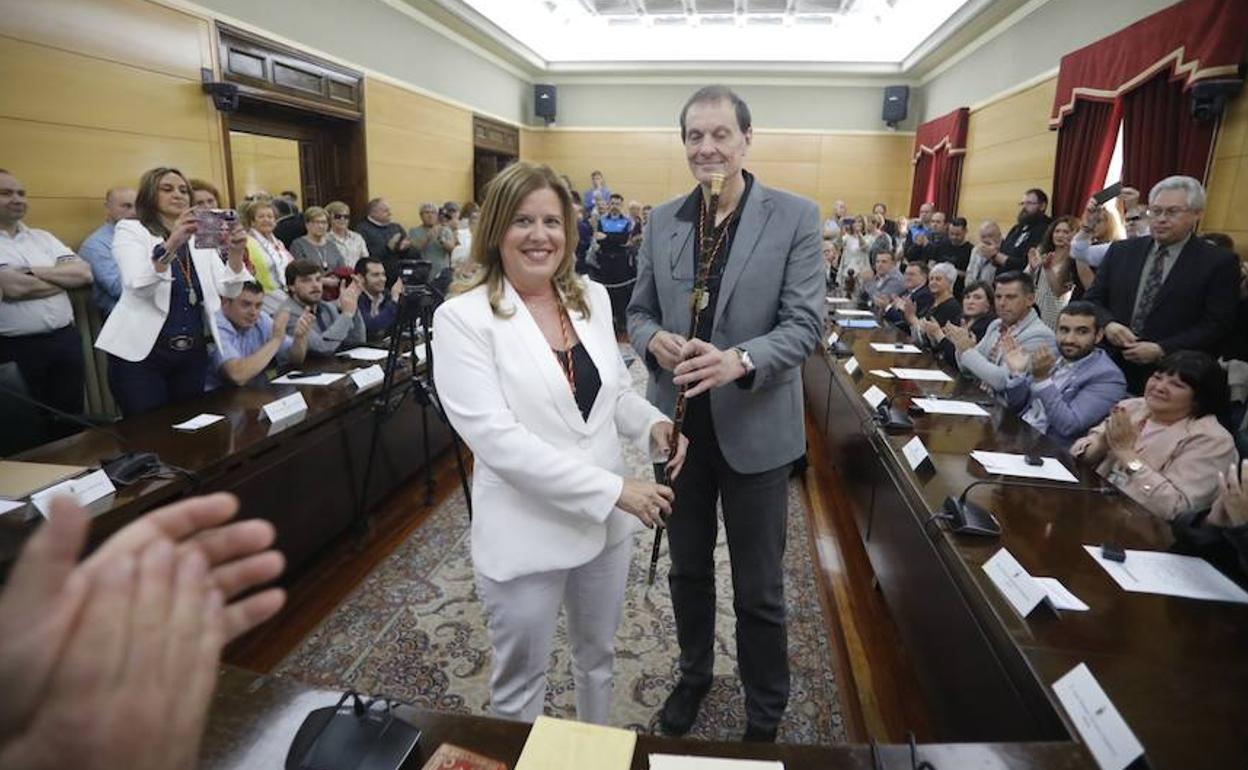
<point>126,469</point>
<point>892,419</point>
<point>967,518</point>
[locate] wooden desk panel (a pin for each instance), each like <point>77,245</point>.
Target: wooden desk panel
<point>1176,668</point>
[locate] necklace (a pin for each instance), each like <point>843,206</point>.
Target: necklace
<point>702,292</point>
<point>565,361</point>
<point>191,296</point>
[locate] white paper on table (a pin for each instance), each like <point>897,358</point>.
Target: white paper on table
<point>930,375</point>
<point>894,347</point>
<point>325,378</point>
<point>1014,582</point>
<point>8,506</point>
<point>365,354</point>
<point>915,452</point>
<point>857,323</point>
<point>947,406</point>
<point>851,365</point>
<point>199,421</point>
<point>848,311</point>
<point>678,762</point>
<point>85,489</point>
<point>839,301</point>
<point>1007,464</point>
<point>1060,596</point>
<point>874,396</point>
<point>883,374</point>
<point>1102,728</point>
<point>1170,574</point>
<point>833,339</point>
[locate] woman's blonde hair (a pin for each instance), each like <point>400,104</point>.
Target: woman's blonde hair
<point>503,197</point>
<point>250,210</point>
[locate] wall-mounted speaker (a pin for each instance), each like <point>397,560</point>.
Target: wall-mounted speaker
<point>544,102</point>
<point>896,101</point>
<point>1209,97</point>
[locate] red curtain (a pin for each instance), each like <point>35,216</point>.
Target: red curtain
<point>1159,135</point>
<point>1085,146</point>
<point>939,146</point>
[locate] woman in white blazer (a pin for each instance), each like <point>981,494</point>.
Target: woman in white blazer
<point>528,369</point>
<point>157,337</point>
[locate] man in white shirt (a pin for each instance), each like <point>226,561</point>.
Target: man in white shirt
<point>36,318</point>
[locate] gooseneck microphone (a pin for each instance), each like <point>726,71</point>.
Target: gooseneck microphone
<point>126,469</point>
<point>967,518</point>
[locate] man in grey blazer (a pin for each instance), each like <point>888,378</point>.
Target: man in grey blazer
<point>744,417</point>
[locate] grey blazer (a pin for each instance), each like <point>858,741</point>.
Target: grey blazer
<point>770,304</point>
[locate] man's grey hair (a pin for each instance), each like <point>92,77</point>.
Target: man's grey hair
<point>989,225</point>
<point>1194,189</point>
<point>947,271</point>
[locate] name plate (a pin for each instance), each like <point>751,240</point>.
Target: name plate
<point>85,489</point>
<point>368,377</point>
<point>916,454</point>
<point>874,396</point>
<point>283,409</point>
<point>1016,583</point>
<point>834,338</point>
<point>1106,734</point>
<point>851,366</point>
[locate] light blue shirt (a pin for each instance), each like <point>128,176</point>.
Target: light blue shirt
<point>97,249</point>
<point>239,343</point>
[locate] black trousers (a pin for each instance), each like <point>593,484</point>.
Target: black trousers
<point>755,515</point>
<point>51,364</point>
<point>164,377</point>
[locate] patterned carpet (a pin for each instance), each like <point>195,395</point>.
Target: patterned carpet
<point>414,630</point>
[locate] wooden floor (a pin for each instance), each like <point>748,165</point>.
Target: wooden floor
<point>880,698</point>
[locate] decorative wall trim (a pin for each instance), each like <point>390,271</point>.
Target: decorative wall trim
<point>674,129</point>
<point>1016,89</point>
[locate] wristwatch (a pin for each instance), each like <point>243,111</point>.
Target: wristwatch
<point>159,252</point>
<point>1135,466</point>
<point>746,361</point>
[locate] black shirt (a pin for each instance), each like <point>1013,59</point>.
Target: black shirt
<point>1019,241</point>
<point>584,374</point>
<point>698,409</point>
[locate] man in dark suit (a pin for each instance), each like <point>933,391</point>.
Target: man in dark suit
<point>762,317</point>
<point>1167,292</point>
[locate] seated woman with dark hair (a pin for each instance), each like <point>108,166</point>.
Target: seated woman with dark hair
<point>977,314</point>
<point>1165,450</point>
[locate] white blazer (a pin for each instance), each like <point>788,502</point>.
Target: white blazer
<point>135,323</point>
<point>546,480</point>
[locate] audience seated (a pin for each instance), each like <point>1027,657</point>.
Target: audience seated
<point>386,240</point>
<point>97,250</point>
<point>977,314</point>
<point>335,326</point>
<point>1165,450</point>
<point>941,306</point>
<point>36,317</point>
<point>318,247</point>
<point>1016,326</point>
<point>1167,292</point>
<point>204,195</point>
<point>887,283</point>
<point>1063,397</point>
<point>378,306</point>
<point>1026,232</point>
<point>350,243</point>
<point>830,257</point>
<point>267,256</point>
<point>1229,515</point>
<point>249,340</point>
<point>982,265</point>
<point>157,336</point>
<point>916,292</point>
<point>1052,270</point>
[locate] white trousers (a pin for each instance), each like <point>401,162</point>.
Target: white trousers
<point>522,614</point>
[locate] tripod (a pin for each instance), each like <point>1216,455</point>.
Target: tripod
<point>415,305</point>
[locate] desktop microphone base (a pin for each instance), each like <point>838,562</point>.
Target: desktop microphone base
<point>966,518</point>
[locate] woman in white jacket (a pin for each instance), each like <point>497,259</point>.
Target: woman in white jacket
<point>531,376</point>
<point>157,337</point>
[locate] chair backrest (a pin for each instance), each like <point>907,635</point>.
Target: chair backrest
<point>24,426</point>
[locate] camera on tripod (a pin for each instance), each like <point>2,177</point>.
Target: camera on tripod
<point>415,274</point>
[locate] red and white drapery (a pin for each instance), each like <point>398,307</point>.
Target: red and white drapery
<point>1140,76</point>
<point>939,146</point>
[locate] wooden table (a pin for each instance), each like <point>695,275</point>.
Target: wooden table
<point>1177,669</point>
<point>254,718</point>
<point>306,478</point>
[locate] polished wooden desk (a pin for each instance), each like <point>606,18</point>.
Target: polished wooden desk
<point>1177,669</point>
<point>306,478</point>
<point>255,717</point>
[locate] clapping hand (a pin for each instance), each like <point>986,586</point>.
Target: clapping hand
<point>1231,507</point>
<point>1034,258</point>
<point>304,324</point>
<point>396,290</point>
<point>280,322</point>
<point>960,336</point>
<point>349,298</point>
<point>1017,360</point>
<point>1121,434</point>
<point>931,329</point>
<point>1042,361</point>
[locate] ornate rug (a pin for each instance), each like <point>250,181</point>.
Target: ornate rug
<point>414,630</point>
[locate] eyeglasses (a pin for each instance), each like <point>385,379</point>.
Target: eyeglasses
<point>1135,218</point>
<point>342,216</point>
<point>1169,212</point>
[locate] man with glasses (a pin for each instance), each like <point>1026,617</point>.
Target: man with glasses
<point>1169,291</point>
<point>1027,232</point>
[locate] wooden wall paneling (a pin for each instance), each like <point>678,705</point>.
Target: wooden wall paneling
<point>264,163</point>
<point>1226,209</point>
<point>863,170</point>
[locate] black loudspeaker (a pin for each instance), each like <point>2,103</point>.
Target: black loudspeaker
<point>544,102</point>
<point>1209,97</point>
<point>896,99</point>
